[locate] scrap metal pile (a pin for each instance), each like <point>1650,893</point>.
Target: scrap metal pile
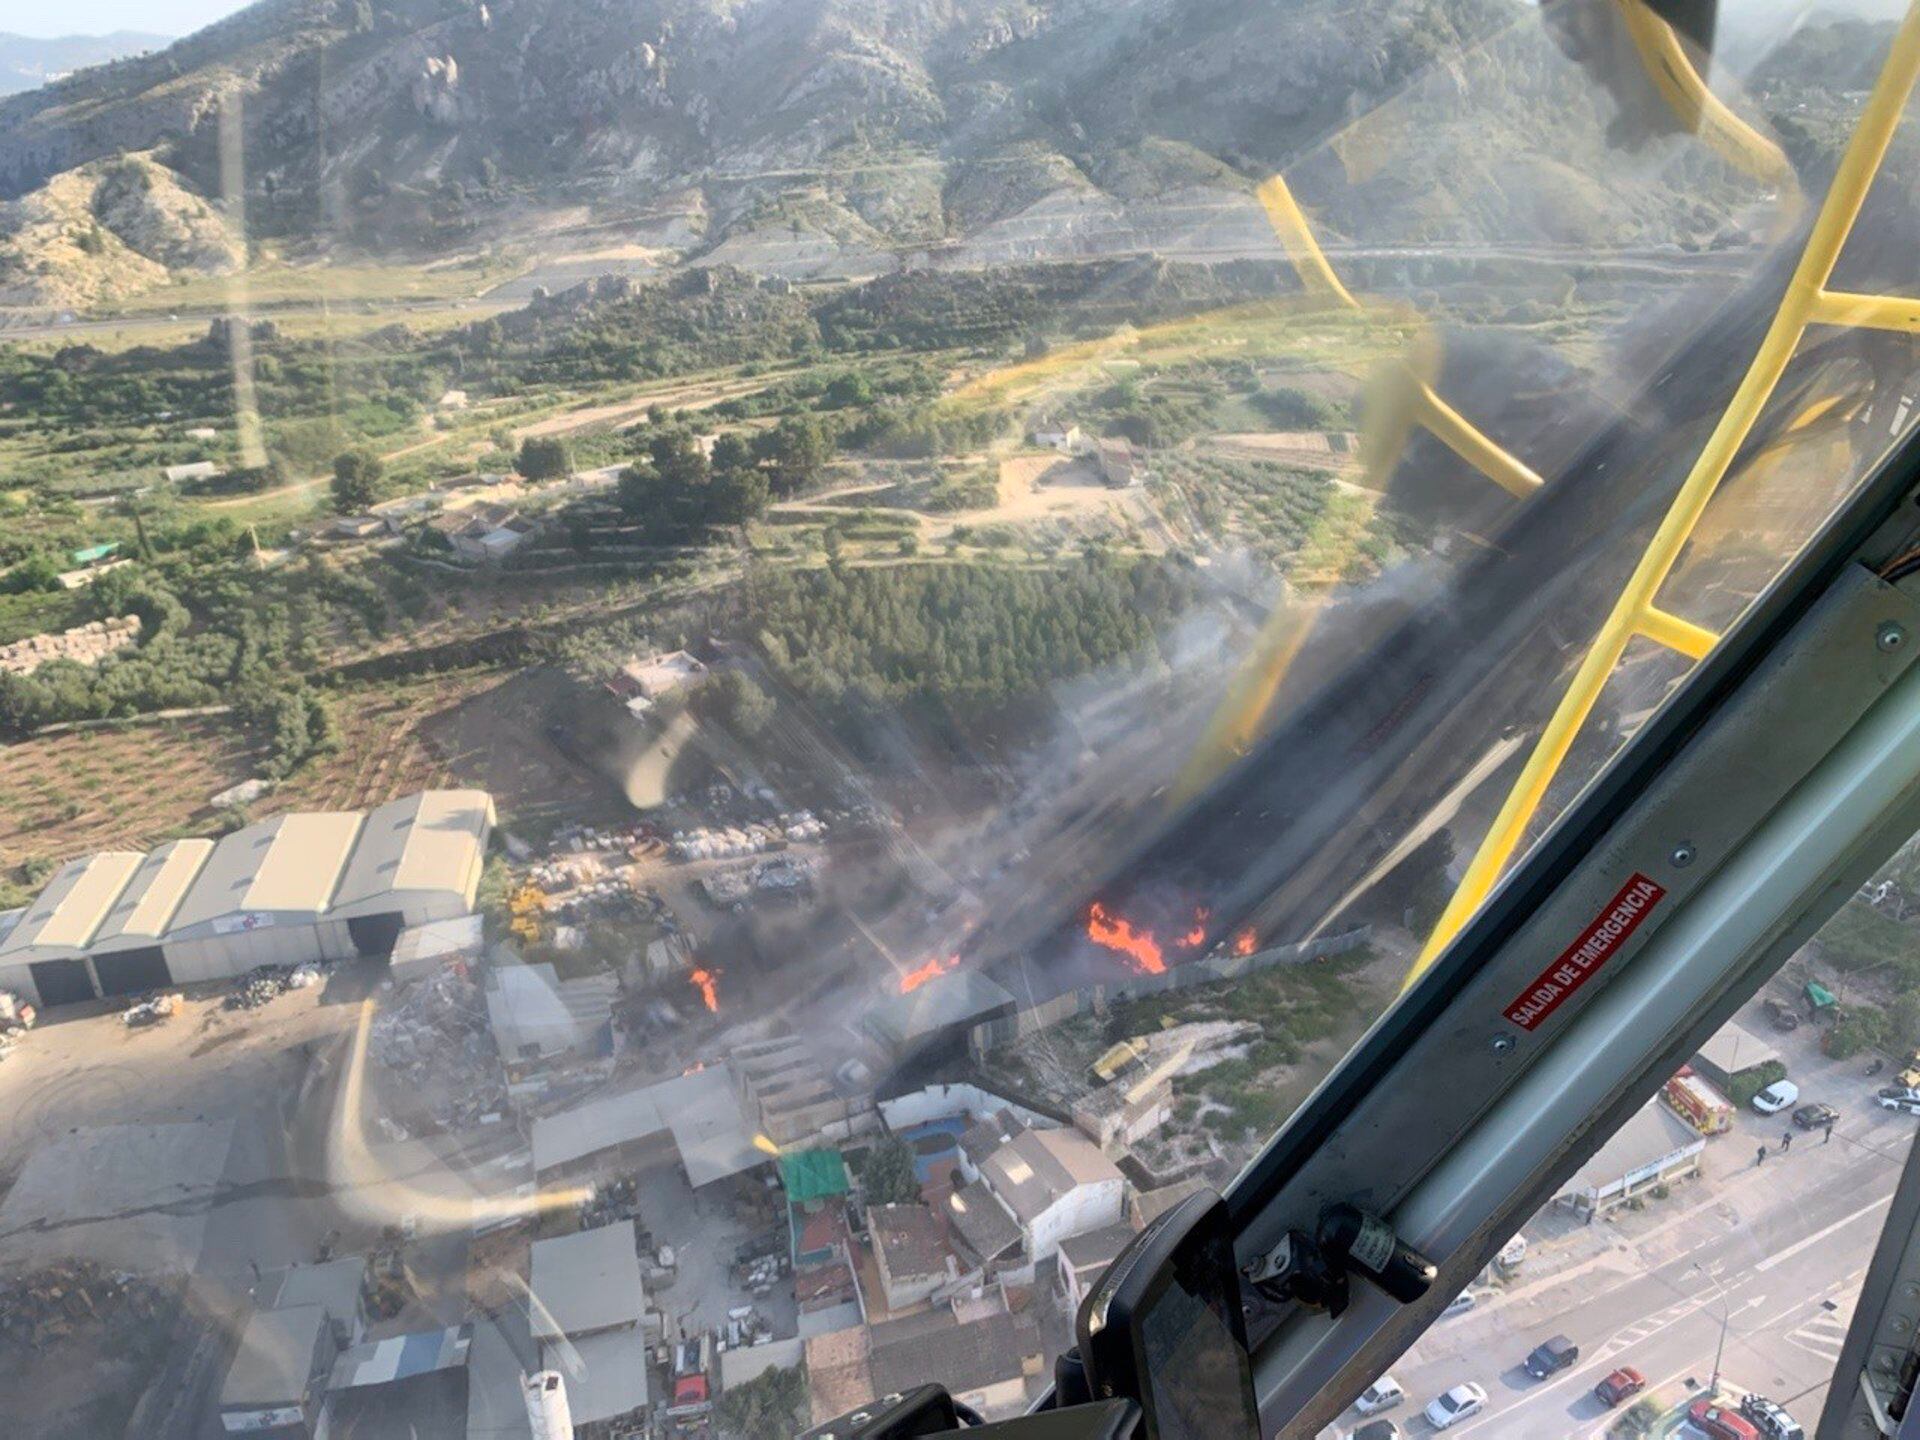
<point>437,1040</point>
<point>39,1309</point>
<point>268,982</point>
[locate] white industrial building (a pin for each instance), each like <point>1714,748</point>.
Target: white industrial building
<point>291,889</point>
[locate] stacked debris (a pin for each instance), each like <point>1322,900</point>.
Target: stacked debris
<point>437,1041</point>
<point>47,1306</point>
<point>150,1011</point>
<point>15,1014</point>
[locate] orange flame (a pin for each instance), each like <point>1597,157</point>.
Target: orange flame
<point>1118,935</point>
<point>702,980</point>
<point>1197,936</point>
<point>933,969</point>
<point>1243,943</point>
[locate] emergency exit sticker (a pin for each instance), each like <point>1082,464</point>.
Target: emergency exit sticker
<point>1580,961</point>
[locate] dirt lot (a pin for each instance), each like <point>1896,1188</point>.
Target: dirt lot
<point>64,794</point>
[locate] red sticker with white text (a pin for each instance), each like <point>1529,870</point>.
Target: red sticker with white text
<point>1580,961</point>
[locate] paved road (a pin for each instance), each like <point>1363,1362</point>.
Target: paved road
<point>1779,1251</point>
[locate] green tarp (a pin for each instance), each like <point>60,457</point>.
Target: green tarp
<point>1818,995</point>
<point>813,1175</point>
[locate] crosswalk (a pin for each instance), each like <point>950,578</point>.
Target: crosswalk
<point>1822,1334</point>
<point>1649,1325</point>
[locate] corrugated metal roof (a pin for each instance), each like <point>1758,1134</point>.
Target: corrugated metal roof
<point>586,1281</point>
<point>289,863</point>
<point>70,909</point>
<point>435,840</point>
<point>146,907</point>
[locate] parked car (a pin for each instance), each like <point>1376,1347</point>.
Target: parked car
<point>1782,1016</point>
<point>1382,1394</point>
<point>1622,1384</point>
<point>1376,1430</point>
<point>1812,1117</point>
<point>1460,1304</point>
<point>1777,1097</point>
<point>1905,1104</point>
<point>1715,1420</point>
<point>1771,1419</point>
<point>1896,1092</point>
<point>1550,1357</point>
<point>1460,1403</point>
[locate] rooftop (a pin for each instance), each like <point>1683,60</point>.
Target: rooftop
<point>1734,1048</point>
<point>1037,1168</point>
<point>606,1374</point>
<point>586,1282</point>
<point>1654,1134</point>
<point>838,1375</point>
<point>701,1111</point>
<point>529,1006</point>
<point>146,907</point>
<point>982,1221</point>
<point>1096,1249</point>
<point>284,865</point>
<point>987,1134</point>
<point>433,840</point>
<point>73,905</point>
<point>965,1357</point>
<point>961,997</point>
<point>275,1358</point>
<point>401,1357</point>
<point>334,1285</point>
<point>911,1238</point>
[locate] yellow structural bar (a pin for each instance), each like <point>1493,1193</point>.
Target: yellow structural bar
<point>1670,630</point>
<point>1704,113</point>
<point>1866,312</point>
<point>1451,429</point>
<point>1805,301</point>
<point>1290,225</point>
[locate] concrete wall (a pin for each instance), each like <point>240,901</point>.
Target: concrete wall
<point>1084,1208</point>
<point>938,1101</point>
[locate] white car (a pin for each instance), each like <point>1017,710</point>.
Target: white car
<point>1905,1104</point>
<point>1456,1405</point>
<point>1382,1394</point>
<point>1777,1097</point>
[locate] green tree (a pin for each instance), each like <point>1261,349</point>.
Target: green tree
<point>737,496</point>
<point>745,707</point>
<point>772,1403</point>
<point>545,457</point>
<point>796,449</point>
<point>850,388</point>
<point>731,451</point>
<point>886,1173</point>
<point>39,571</point>
<point>356,480</point>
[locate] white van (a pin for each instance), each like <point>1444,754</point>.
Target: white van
<point>1382,1394</point>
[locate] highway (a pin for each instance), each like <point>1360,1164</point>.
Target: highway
<point>1777,1252</point>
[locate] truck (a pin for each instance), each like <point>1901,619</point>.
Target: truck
<point>1697,1103</point>
<point>690,1390</point>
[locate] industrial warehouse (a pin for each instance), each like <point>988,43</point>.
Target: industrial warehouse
<point>288,890</point>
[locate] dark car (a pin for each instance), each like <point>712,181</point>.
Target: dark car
<point>1770,1419</point>
<point>1812,1117</point>
<point>1622,1384</point>
<point>1376,1430</point>
<point>1782,1016</point>
<point>1551,1356</point>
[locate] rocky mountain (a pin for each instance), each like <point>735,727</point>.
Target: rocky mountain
<point>107,230</point>
<point>816,137</point>
<point>27,61</point>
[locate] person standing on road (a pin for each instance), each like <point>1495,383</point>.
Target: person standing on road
<point>1760,1158</point>
<point>1786,1142</point>
<point>1829,1133</point>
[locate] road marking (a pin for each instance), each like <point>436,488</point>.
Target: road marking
<point>1819,1235</point>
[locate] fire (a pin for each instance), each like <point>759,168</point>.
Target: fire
<point>1243,943</point>
<point>703,980</point>
<point>914,979</point>
<point>1197,936</point>
<point>1118,935</point>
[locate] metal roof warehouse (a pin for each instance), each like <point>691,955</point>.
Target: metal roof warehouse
<point>299,887</point>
